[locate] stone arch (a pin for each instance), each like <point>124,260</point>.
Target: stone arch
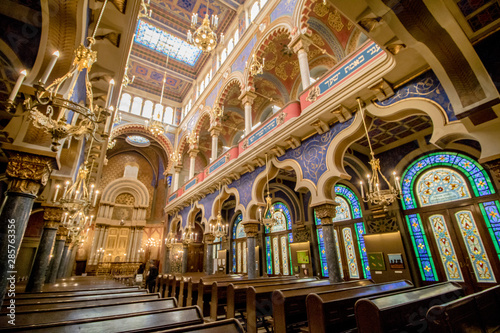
<point>258,190</point>
<point>205,113</point>
<point>295,207</point>
<point>224,194</point>
<point>126,185</point>
<point>174,222</point>
<point>197,207</point>
<point>301,13</point>
<point>301,183</point>
<point>235,78</point>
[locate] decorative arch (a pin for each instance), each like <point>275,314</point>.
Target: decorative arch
<point>235,78</point>
<point>479,180</point>
<point>193,212</point>
<point>205,113</point>
<point>301,13</point>
<point>329,37</point>
<point>126,185</point>
<point>225,193</point>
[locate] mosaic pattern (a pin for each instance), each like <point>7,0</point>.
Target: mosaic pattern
<point>158,40</point>
<point>276,255</point>
<point>421,248</point>
<point>269,259</point>
<point>350,254</point>
<point>446,249</point>
<point>311,155</point>
<point>360,231</point>
<point>284,255</point>
<point>282,214</point>
<point>322,253</point>
<point>425,86</point>
<point>439,186</point>
<point>234,257</point>
<point>475,247</point>
<point>237,228</point>
<point>477,176</point>
<point>491,214</point>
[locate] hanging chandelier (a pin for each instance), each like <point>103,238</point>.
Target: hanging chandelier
<point>255,67</point>
<point>268,219</point>
<point>219,229</point>
<point>155,126</point>
<point>204,37</point>
<point>48,110</point>
<point>375,194</point>
<point>145,10</point>
<point>192,140</point>
<point>189,236</point>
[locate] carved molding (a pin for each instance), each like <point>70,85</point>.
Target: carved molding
<point>28,172</point>
<point>251,228</point>
<point>325,213</point>
<point>52,214</point>
<point>209,238</point>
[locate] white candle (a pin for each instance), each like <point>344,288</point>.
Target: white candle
<point>65,217</point>
<point>19,81</point>
<point>91,190</point>
<point>95,198</point>
<point>109,120</point>
<point>50,67</point>
<point>57,192</point>
<point>110,92</point>
<point>91,219</point>
<point>77,194</point>
<point>369,183</point>
<point>66,188</point>
<point>361,186</point>
<point>398,187</point>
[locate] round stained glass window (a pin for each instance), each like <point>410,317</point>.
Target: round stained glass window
<point>138,141</point>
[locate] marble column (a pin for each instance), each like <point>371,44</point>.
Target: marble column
<point>215,143</point>
<point>247,101</point>
<point>71,260</point>
<point>52,217</point>
<point>64,259</point>
<point>94,248</point>
<point>57,255</point>
<point>251,229</point>
<point>185,248</point>
<point>209,262</point>
<point>166,259</point>
<point>192,160</point>
<point>326,212</point>
<point>300,44</point>
<point>177,173</point>
<point>27,174</point>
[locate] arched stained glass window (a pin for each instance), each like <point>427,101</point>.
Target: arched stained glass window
<point>136,106</point>
<point>239,248</point>
<point>282,215</point>
<point>147,110</point>
<point>440,185</point>
<point>350,253</point>
<point>125,102</point>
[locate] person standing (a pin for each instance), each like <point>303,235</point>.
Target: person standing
<point>151,276</point>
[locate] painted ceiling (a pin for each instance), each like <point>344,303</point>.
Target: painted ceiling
<point>162,36</point>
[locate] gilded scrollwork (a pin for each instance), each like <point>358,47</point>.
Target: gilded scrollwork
<point>325,213</point>
<point>313,95</point>
<point>52,214</point>
<point>28,172</point>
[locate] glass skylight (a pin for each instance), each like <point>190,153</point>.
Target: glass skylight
<point>158,40</point>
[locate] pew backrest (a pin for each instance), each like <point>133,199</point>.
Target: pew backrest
<point>45,294</point>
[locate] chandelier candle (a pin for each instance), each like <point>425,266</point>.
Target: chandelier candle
<point>57,191</point>
<point>49,68</point>
<point>19,81</point>
<point>110,92</point>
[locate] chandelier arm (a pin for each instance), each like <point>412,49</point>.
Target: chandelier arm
<point>99,19</point>
<point>364,125</point>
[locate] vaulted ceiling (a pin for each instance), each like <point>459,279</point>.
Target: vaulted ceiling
<point>163,35</point>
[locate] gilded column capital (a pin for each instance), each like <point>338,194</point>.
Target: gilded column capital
<point>52,214</point>
<point>209,238</point>
<point>248,97</point>
<point>325,213</point>
<point>300,41</point>
<point>215,130</point>
<point>251,228</point>
<point>193,152</point>
<point>28,172</point>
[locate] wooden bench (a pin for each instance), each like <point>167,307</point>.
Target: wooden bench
<point>289,305</point>
<point>219,292</point>
<point>479,312</point>
<point>333,311</point>
<point>223,326</point>
<point>27,308</point>
<point>75,293</point>
<point>403,311</point>
<point>158,283</point>
<point>205,290</point>
<point>44,317</point>
<point>144,322</point>
<point>45,300</point>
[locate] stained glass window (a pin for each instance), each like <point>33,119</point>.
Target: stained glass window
<point>284,255</point>
<point>335,233</point>
<point>342,210</point>
<point>158,40</point>
<point>282,214</point>
<point>137,140</point>
<point>421,247</point>
<point>322,253</point>
<point>234,257</point>
<point>349,205</point>
<point>125,102</point>
<point>276,255</point>
<point>236,224</point>
<point>239,256</point>
<point>254,11</point>
<point>350,253</point>
<point>477,176</point>
<point>269,259</point>
<point>360,231</point>
<point>440,185</point>
<point>244,254</point>
<point>491,213</point>
<point>446,248</point>
<point>475,247</point>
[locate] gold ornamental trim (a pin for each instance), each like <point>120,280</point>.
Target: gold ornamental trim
<point>28,172</point>
<point>325,213</point>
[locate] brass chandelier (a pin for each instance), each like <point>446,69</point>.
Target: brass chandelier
<point>375,195</point>
<point>255,66</point>
<point>204,37</point>
<point>218,229</point>
<point>268,219</point>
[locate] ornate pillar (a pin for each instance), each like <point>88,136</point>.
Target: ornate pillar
<point>192,159</point>
<point>326,212</point>
<point>27,174</point>
<point>251,230</point>
<point>71,259</point>
<point>214,132</point>
<point>185,247</point>
<point>166,259</point>
<point>64,258</point>
<point>52,217</point>
<point>209,240</point>
<point>300,45</point>
<point>177,169</point>
<point>247,101</point>
<point>57,254</point>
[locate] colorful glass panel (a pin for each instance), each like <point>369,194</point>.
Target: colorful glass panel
<point>477,176</point>
<point>239,257</point>
<point>158,40</point>
<point>446,249</point>
<point>269,259</point>
<point>360,231</point>
<point>475,247</point>
<point>350,253</point>
<point>421,247</point>
<point>439,186</point>
<point>240,231</point>
<point>347,193</point>
<point>244,255</point>
<point>322,253</point>
<point>284,255</point>
<point>338,251</point>
<point>234,257</point>
<point>342,210</point>
<point>491,213</point>
<point>282,215</point>
<point>276,255</point>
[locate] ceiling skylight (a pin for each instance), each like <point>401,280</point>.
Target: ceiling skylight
<point>158,40</point>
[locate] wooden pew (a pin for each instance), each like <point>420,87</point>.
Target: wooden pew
<point>45,300</point>
<point>205,290</point>
<point>219,291</point>
<point>158,283</point>
<point>289,305</point>
<point>237,294</point>
<point>136,322</point>
<point>478,312</point>
<point>75,293</point>
<point>41,318</point>
<point>334,311</point>
<point>403,311</point>
<point>27,308</point>
<point>225,326</point>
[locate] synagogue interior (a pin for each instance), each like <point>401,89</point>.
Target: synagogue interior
<point>250,165</point>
